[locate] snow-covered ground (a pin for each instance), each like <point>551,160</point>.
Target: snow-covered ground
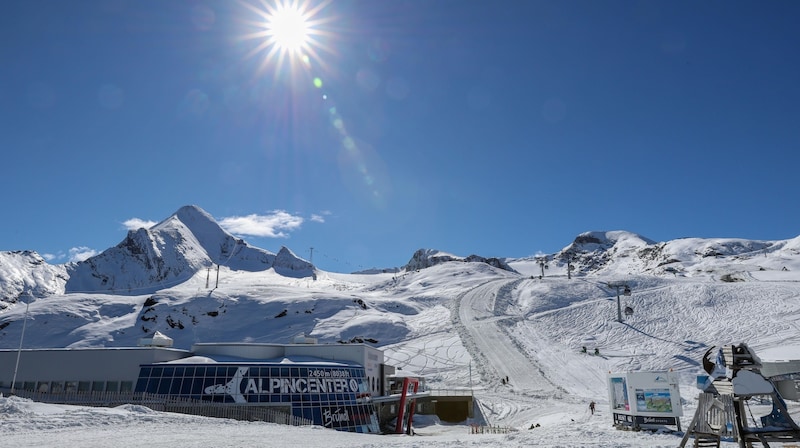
<point>27,424</point>
<point>461,325</point>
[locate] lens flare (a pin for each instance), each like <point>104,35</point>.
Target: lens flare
<point>292,34</point>
<point>288,31</point>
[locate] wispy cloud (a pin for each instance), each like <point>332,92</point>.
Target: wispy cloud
<point>81,253</point>
<point>136,223</point>
<point>320,217</point>
<point>276,224</point>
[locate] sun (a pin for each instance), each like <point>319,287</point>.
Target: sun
<point>288,31</point>
<point>287,28</point>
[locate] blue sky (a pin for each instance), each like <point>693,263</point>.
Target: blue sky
<point>502,129</point>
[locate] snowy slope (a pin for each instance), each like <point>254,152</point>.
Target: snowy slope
<point>460,323</point>
<point>26,273</point>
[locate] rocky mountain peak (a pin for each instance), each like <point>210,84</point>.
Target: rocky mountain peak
<point>171,252</point>
<point>425,258</point>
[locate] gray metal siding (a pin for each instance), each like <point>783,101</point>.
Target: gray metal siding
<point>106,364</point>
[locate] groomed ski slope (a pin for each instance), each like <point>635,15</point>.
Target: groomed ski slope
<point>461,325</point>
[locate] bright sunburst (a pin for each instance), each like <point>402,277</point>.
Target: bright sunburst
<point>287,30</point>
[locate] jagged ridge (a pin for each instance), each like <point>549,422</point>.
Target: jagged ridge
<point>171,252</point>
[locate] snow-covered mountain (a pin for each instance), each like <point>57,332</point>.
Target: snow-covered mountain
<point>148,260</point>
<point>166,255</point>
<point>425,258</point>
<point>188,277</point>
<point>456,320</point>
<point>620,253</point>
<point>26,273</point>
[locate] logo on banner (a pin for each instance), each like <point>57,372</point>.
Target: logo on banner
<point>339,415</point>
<point>322,382</point>
<point>232,387</point>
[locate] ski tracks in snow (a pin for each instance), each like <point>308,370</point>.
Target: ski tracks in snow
<point>479,316</point>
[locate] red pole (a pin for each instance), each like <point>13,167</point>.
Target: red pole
<point>402,410</point>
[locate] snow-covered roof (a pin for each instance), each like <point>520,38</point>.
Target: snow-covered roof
<point>298,361</point>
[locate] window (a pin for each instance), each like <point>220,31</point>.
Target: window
<point>163,387</point>
<point>186,386</point>
<point>141,384</point>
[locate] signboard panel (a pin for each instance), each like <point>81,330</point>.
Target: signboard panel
<point>332,397</point>
<point>645,398</point>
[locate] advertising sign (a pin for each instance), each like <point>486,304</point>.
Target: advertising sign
<point>653,400</point>
<point>316,381</point>
<point>619,394</point>
<point>645,398</point>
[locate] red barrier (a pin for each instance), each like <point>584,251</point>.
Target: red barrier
<point>413,382</point>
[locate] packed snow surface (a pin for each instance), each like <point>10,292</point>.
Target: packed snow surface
<point>462,325</point>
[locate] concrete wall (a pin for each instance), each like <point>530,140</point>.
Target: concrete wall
<point>122,364</point>
<point>97,364</point>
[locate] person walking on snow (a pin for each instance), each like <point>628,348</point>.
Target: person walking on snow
<point>591,407</point>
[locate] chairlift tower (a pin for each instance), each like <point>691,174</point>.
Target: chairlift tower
<point>734,380</point>
<point>569,257</point>
<point>542,260</point>
<point>626,291</point>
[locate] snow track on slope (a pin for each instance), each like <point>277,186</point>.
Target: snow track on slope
<point>480,319</point>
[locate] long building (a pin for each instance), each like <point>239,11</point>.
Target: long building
<point>331,385</point>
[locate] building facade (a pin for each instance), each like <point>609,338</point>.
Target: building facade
<point>330,385</point>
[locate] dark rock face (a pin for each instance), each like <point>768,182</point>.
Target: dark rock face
<point>425,258</point>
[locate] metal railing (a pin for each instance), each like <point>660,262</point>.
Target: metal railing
<point>450,392</point>
<point>489,429</point>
